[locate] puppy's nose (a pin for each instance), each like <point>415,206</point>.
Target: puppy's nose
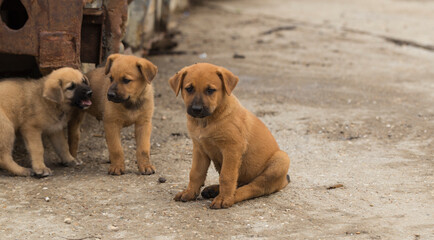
<point>197,108</point>
<point>89,93</point>
<point>111,95</point>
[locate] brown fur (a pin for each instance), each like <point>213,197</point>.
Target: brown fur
<point>34,107</point>
<point>137,110</point>
<point>241,147</point>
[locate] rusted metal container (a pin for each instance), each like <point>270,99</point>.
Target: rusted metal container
<point>37,36</point>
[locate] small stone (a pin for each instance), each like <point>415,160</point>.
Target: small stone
<point>162,180</point>
<point>335,186</point>
<point>67,220</point>
<point>203,55</point>
<point>47,199</point>
<point>113,228</point>
<point>163,118</point>
<point>236,55</point>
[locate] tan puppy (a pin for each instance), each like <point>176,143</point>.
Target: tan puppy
<point>39,106</point>
<point>241,147</point>
<point>123,96</point>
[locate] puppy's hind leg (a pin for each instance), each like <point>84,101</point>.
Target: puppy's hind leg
<point>272,179</point>
<point>58,140</point>
<point>7,133</point>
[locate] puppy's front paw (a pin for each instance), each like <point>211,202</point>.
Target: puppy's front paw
<point>42,172</point>
<point>24,172</point>
<point>116,169</point>
<point>222,202</point>
<point>77,162</point>
<point>72,162</point>
<point>146,169</point>
<point>185,196</point>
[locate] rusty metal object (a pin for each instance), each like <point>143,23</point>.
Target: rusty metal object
<point>37,36</point>
<point>57,49</point>
<point>48,35</point>
<point>92,36</point>
<point>57,33</point>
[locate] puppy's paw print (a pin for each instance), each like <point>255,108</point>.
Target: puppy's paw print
<point>222,202</point>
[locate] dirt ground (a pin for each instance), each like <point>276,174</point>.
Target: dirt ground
<point>347,89</point>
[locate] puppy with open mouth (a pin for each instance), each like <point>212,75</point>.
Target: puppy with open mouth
<point>35,107</point>
<point>123,96</point>
<point>243,151</point>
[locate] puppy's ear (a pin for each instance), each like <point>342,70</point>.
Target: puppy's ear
<point>176,80</point>
<point>109,62</point>
<point>53,90</point>
<point>229,79</point>
<point>147,69</point>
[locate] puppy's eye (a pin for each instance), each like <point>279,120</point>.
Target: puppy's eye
<point>189,89</point>
<point>111,79</point>
<point>210,91</point>
<point>71,87</point>
<point>126,81</point>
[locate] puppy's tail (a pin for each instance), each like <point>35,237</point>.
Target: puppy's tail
<point>288,178</point>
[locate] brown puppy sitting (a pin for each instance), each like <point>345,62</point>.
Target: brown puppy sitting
<point>241,147</point>
<point>123,96</point>
<point>34,107</point>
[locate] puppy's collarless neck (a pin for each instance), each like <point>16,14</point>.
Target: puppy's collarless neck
<point>138,103</point>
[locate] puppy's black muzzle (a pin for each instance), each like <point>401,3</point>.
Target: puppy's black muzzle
<point>198,111</point>
<point>82,96</point>
<point>113,96</point>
